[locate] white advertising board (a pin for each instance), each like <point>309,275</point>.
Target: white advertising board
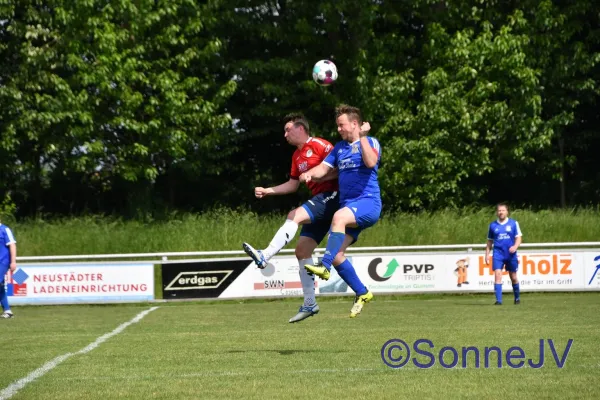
<point>79,283</point>
<point>543,270</point>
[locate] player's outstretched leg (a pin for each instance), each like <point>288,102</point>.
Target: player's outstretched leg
<point>282,237</point>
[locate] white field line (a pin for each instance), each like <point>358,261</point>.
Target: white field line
<point>14,387</point>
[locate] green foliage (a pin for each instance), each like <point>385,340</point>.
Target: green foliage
<point>141,108</point>
<point>479,108</point>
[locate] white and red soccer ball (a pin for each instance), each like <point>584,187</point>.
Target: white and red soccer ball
<point>324,72</point>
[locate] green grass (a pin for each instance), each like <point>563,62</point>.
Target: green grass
<point>226,230</point>
<point>234,350</point>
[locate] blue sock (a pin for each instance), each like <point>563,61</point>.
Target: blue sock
<point>348,274</point>
<point>4,297</point>
<point>516,291</point>
<point>498,289</point>
<point>334,244</point>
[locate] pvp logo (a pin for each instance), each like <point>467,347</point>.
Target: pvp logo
<point>194,280</point>
<point>393,265</point>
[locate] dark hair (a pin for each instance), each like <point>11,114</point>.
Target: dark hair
<point>298,119</point>
<point>503,204</point>
<point>353,113</point>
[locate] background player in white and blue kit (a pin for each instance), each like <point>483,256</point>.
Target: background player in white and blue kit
<point>357,159</point>
<point>8,259</point>
<point>505,236</point>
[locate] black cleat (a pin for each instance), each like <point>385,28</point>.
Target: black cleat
<point>497,303</point>
<point>518,301</point>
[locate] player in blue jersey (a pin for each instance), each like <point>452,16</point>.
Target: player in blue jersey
<point>505,237</point>
<point>8,259</point>
<point>357,159</point>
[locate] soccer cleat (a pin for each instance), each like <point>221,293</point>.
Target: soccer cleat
<point>7,315</point>
<point>359,302</point>
<point>305,312</point>
<point>497,303</point>
<point>318,270</point>
<point>518,301</point>
<point>256,255</point>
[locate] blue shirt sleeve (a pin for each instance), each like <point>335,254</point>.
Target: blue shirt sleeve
<point>490,233</point>
<point>376,146</point>
<point>518,230</point>
<point>7,236</point>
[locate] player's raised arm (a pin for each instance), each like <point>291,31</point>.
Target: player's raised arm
<point>370,147</point>
<point>332,174</point>
<point>317,172</point>
<point>290,186</point>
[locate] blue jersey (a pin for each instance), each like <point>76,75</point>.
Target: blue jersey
<point>356,180</point>
<point>6,238</point>
<point>504,236</point>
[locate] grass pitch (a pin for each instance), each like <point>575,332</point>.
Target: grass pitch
<point>248,350</point>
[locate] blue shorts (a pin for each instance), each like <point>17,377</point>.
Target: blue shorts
<point>320,208</point>
<point>512,264</point>
<point>366,211</point>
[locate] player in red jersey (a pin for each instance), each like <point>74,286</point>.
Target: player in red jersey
<point>315,215</point>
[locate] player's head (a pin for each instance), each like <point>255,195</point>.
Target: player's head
<point>296,129</point>
<point>502,210</point>
<point>349,121</point>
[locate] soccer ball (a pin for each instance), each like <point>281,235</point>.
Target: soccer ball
<point>324,72</point>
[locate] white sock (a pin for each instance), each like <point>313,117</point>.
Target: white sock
<point>284,235</point>
<point>308,283</point>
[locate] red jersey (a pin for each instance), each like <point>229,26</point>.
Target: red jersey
<point>312,154</point>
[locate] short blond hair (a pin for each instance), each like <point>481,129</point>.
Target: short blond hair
<point>353,113</point>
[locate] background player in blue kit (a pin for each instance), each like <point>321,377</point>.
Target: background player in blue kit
<point>8,259</point>
<point>357,160</point>
<point>505,237</point>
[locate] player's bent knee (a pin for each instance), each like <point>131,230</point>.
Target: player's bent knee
<point>343,217</point>
<point>299,216</point>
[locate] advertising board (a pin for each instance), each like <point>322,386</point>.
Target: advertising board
<point>79,283</point>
